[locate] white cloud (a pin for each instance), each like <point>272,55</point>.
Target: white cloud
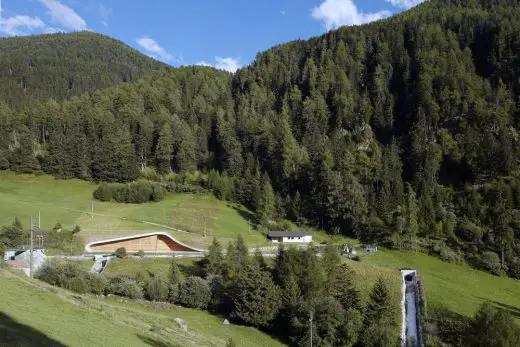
<point>406,4</point>
<point>335,13</point>
<point>104,13</point>
<point>64,15</point>
<point>153,48</point>
<point>229,64</point>
<point>17,24</point>
<point>203,63</point>
<point>51,30</point>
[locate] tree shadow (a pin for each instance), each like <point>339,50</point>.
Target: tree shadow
<point>155,343</point>
<point>449,326</point>
<point>194,269</point>
<point>514,311</point>
<point>243,213</point>
<point>13,333</point>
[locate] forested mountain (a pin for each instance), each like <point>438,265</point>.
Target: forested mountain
<point>62,65</point>
<point>403,131</point>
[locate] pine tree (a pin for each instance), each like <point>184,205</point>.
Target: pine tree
<point>267,203</point>
<point>214,260</point>
<point>164,149</point>
<point>174,273</point>
<point>379,314</point>
<point>411,211</point>
<point>256,299</point>
<point>344,290</point>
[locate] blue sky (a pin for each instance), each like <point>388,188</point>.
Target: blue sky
<point>226,34</point>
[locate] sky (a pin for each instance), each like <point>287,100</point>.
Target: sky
<point>226,34</point>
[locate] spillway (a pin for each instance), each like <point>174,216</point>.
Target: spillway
<point>410,331</point>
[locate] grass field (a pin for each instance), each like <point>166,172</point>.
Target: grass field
<point>455,287</point>
<point>37,314</point>
<point>70,202</point>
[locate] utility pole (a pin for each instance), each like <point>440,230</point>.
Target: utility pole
<point>31,250</point>
<point>310,321</point>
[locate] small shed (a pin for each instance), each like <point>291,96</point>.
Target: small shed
<point>290,236</point>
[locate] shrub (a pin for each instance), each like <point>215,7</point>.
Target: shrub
<point>195,293</point>
<point>2,251</point>
<point>443,251</point>
<point>490,261</point>
<point>58,272</point>
<point>141,278</point>
<point>134,193</point>
<point>4,163</point>
<point>173,293</point>
<point>124,286</point>
<point>77,284</point>
<point>120,252</point>
<point>140,253</point>
<point>157,289</point>
<point>96,283</point>
<point>103,192</point>
<point>158,193</point>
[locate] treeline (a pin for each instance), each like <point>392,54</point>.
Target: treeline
<point>60,66</point>
<point>135,193</point>
<point>279,299</point>
<point>14,237</point>
<point>403,132</point>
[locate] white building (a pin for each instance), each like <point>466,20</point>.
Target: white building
<point>290,236</point>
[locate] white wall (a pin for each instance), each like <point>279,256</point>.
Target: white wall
<point>303,239</point>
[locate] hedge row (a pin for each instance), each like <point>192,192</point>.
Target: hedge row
<point>134,193</point>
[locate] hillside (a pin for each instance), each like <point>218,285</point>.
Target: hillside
<point>38,314</point>
<point>395,132</point>
<point>61,65</point>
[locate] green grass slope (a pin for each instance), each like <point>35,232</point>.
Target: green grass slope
<point>37,314</point>
<point>69,202</point>
<point>457,288</point>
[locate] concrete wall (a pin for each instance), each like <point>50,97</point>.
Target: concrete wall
<point>150,243</point>
<point>285,239</point>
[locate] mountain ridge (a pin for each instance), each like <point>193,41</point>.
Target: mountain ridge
<point>62,65</point>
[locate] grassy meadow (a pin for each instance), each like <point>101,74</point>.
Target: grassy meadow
<point>69,202</point>
<point>457,288</point>
<point>38,314</point>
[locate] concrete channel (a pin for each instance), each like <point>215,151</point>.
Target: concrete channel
<point>411,332</point>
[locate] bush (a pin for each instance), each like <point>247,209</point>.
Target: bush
<point>96,283</point>
<point>59,272</point>
<point>173,293</point>
<point>72,276</point>
<point>490,261</point>
<point>140,253</point>
<point>2,251</point>
<point>4,163</point>
<point>124,286</point>
<point>120,252</point>
<point>440,249</point>
<point>134,193</point>
<point>195,293</point>
<point>77,284</point>
<point>103,192</point>
<point>157,289</point>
